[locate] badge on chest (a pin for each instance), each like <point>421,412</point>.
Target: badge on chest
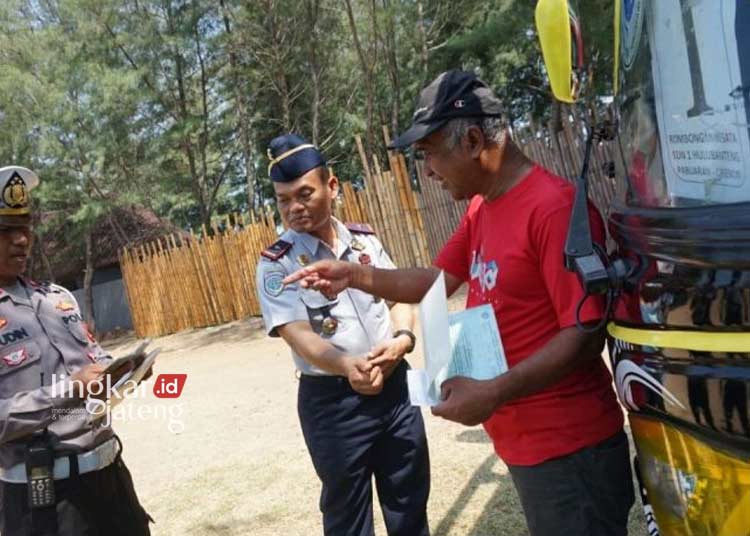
<point>14,359</point>
<point>321,312</point>
<point>64,305</point>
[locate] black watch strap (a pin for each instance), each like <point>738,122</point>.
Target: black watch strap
<point>409,334</point>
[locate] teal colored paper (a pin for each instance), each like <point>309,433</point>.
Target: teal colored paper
<point>465,343</point>
<point>476,350</point>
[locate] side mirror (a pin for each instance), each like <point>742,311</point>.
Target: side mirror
<point>562,47</point>
<point>562,44</point>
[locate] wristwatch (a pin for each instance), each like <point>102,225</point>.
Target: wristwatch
<point>409,334</point>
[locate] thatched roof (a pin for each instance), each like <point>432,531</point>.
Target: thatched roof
<point>65,249</point>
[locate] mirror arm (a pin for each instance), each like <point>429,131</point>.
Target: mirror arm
<point>580,256</point>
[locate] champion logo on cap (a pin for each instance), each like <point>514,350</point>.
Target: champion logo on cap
<point>453,94</point>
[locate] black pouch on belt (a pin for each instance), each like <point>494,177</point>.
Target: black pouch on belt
<point>40,464</point>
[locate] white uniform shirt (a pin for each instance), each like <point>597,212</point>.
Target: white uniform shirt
<point>363,320</point>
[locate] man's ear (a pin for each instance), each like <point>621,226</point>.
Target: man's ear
<point>475,141</point>
<point>333,186</point>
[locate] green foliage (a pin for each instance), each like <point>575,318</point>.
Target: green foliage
<point>171,103</point>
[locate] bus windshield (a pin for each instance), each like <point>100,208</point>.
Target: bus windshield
<point>684,103</point>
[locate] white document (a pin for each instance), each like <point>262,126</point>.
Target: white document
<point>465,343</point>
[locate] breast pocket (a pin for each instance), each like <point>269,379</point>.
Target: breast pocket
<point>20,368</point>
<point>77,328</point>
<point>321,312</point>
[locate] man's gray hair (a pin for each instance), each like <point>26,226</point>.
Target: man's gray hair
<point>455,129</point>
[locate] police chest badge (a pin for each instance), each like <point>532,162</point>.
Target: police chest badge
<point>330,325</point>
<point>273,282</point>
<point>16,358</point>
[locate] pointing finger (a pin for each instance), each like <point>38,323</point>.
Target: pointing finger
<point>296,276</point>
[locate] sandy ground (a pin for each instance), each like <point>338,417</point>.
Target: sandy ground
<point>227,457</point>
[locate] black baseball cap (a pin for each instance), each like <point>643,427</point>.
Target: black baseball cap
<point>452,94</point>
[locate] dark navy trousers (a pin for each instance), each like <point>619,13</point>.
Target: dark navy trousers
<point>351,438</point>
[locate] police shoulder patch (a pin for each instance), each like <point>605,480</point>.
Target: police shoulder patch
<point>273,284</point>
<point>361,228</point>
<point>277,250</point>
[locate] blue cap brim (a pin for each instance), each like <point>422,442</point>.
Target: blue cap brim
<point>296,165</point>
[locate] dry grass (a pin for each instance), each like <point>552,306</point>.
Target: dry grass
<point>240,466</point>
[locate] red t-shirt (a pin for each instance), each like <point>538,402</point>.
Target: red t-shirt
<point>510,250</point>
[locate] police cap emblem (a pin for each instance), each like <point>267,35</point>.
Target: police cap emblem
<point>16,183</point>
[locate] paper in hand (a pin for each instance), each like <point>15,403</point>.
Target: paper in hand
<point>127,383</point>
<point>465,343</point>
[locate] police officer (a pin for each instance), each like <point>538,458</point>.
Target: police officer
<point>352,402</point>
<point>59,475</point>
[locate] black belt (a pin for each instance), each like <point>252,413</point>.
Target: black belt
<point>323,379</point>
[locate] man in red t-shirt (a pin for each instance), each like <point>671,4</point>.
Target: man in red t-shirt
<point>553,417</point>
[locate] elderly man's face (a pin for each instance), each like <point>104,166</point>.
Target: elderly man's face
<point>15,246</point>
<point>305,203</point>
<point>452,168</point>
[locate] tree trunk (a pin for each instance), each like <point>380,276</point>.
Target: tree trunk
<point>368,75</point>
<point>118,230</point>
<point>243,123</point>
<point>313,7</point>
<point>88,278</point>
<point>425,55</point>
<point>392,57</point>
<point>197,181</point>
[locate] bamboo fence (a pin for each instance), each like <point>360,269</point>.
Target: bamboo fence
<point>188,281</point>
<point>389,204</point>
<point>197,280</point>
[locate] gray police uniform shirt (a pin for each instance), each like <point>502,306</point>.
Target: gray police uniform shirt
<point>42,331</point>
<point>363,320</point>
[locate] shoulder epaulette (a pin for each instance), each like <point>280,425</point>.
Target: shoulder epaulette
<point>43,286</point>
<point>361,228</point>
<point>277,250</point>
